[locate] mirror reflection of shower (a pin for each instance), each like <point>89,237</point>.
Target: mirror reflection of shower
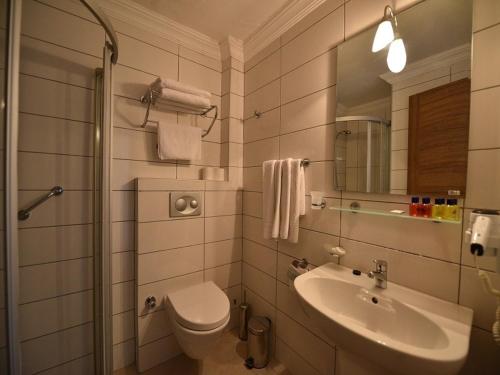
<point>362,154</point>
<point>339,167</point>
<point>343,132</point>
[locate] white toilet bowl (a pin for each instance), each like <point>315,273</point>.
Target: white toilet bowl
<point>198,315</point>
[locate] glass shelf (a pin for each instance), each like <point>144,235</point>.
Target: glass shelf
<point>391,214</point>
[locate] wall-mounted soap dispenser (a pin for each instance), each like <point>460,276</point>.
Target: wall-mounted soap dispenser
<point>484,238</point>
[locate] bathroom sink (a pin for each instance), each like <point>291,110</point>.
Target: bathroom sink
<point>401,329</point>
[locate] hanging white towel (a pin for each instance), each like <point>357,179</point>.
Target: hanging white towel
<point>283,198</point>
<point>286,198</point>
<point>269,187</point>
<point>168,83</point>
<point>278,182</point>
<point>297,199</point>
<point>178,142</point>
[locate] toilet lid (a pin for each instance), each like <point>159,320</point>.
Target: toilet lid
<point>200,307</point>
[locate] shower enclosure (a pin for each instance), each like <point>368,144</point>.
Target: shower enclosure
<point>362,154</point>
<point>55,270</point>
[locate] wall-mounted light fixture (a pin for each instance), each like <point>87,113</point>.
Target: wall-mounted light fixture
<point>387,34</point>
<point>385,30</point>
<point>396,58</point>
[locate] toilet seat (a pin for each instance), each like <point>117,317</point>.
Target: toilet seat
<point>200,307</point>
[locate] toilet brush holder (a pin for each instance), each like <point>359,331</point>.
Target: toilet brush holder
<point>243,334</point>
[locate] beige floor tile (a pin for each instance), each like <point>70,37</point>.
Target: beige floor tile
<point>227,359</point>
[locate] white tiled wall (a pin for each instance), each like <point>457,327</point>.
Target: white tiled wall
<point>134,156</point>
<point>175,252</point>
<point>292,82</point>
<point>298,105</point>
<point>61,47</point>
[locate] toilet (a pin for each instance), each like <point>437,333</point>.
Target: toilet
<point>198,315</point>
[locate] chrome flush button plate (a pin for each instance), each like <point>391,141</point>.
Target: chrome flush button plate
<point>185,204</point>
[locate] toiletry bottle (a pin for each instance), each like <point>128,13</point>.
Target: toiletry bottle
<point>426,207</point>
<point>451,210</point>
<point>414,206</point>
<point>438,208</point>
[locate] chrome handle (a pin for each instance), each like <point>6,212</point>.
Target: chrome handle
<point>151,302</point>
<point>26,213</point>
<point>380,265</point>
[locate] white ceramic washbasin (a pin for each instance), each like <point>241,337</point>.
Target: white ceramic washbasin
<point>403,330</point>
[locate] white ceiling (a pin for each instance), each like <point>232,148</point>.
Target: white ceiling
<point>218,18</point>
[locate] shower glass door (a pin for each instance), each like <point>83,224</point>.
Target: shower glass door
<point>3,280</point>
<point>59,296</point>
<point>10,21</point>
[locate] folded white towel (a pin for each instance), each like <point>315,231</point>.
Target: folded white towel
<point>180,107</point>
<point>179,86</point>
<point>183,99</point>
<point>178,142</point>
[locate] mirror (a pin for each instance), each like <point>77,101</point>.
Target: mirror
<point>407,132</point>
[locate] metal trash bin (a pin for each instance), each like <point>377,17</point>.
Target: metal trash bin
<point>259,330</point>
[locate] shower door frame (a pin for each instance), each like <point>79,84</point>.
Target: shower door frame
<point>103,141</point>
<point>14,9</point>
<point>103,361</point>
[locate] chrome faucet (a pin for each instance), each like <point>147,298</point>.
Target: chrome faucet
<point>379,273</point>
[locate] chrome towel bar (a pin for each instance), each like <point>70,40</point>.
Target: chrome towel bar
<point>26,213</point>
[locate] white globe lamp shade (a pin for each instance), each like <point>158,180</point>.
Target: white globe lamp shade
<point>383,36</point>
<point>396,58</point>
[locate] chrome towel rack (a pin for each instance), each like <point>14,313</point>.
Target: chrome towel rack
<point>150,99</point>
<point>26,213</point>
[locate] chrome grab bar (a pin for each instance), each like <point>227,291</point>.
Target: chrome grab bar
<point>26,213</point>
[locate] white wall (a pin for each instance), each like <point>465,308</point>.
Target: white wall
<point>173,253</point>
<point>62,45</point>
<point>135,156</point>
<point>292,82</point>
